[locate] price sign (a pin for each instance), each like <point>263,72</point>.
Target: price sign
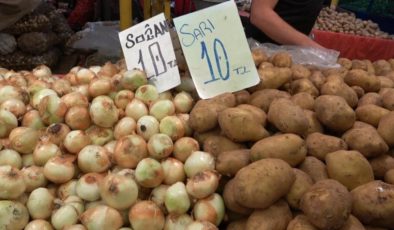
<point>148,46</point>
<point>216,50</point>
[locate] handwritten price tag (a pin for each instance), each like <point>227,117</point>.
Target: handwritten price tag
<point>216,50</point>
<point>148,46</point>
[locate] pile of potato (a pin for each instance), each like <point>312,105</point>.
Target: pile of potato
<point>343,22</point>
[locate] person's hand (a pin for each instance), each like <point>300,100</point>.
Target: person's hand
<point>7,44</point>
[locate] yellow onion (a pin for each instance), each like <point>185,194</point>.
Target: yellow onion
<point>136,109</point>
<point>17,80</point>
<point>147,94</point>
<point>52,109</point>
<point>60,169</point>
<point>94,204</point>
<point>10,92</point>
<point>177,200</point>
<point>158,195</point>
<point>177,222</point>
<point>88,186</point>
<point>95,69</point>
<point>100,86</point>
<point>76,202</point>
<point>15,106</point>
<point>39,225</point>
<point>13,215</point>
<point>125,126</point>
<point>123,98</point>
<point>108,69</point>
<point>38,96</point>
<point>93,158</point>
<point>42,72</point>
<point>183,102</point>
<point>11,182</point>
<point>173,171</point>
<point>78,117</point>
<point>57,133</point>
<point>27,160</point>
<point>201,225</point>
<point>203,184</point>
<point>130,150</point>
<point>116,82</point>
<point>210,209</point>
<point>64,216</point>
<point>74,227</point>
<point>160,146</point>
<point>166,95</point>
<point>34,177</point>
<point>162,108</point>
<point>184,117</point>
<point>24,139</point>
<point>67,189</point>
<point>33,120</point>
<point>99,136</point>
<point>184,147</point>
<point>10,157</point>
<point>40,203</point>
<point>132,79</point>
<point>147,126</point>
<point>119,191</point>
<point>61,87</point>
<point>44,151</point>
<point>146,215</point>
<point>72,78</point>
<point>103,112</point>
<point>149,173</point>
<point>199,161</point>
<point>82,89</point>
<point>75,99</point>
<point>102,217</point>
<point>76,140</point>
<point>8,122</point>
<point>173,127</point>
<point>110,147</point>
<point>84,76</point>
<point>36,85</point>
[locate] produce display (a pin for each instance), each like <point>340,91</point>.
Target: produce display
<point>100,148</point>
<point>343,22</point>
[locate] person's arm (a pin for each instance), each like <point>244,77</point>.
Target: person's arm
<point>267,20</point>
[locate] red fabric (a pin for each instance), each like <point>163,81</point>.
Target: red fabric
<point>184,7</point>
<point>356,47</point>
<point>82,13</point>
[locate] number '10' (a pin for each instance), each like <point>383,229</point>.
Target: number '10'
<point>216,45</point>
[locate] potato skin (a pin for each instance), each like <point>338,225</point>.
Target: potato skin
<point>263,98</point>
<point>350,168</point>
<point>352,224</point>
<point>300,71</point>
<point>276,217</point>
<point>262,183</point>
<point>334,113</point>
<point>287,117</point>
<point>388,98</point>
<point>288,147</point>
<point>371,98</point>
<point>314,124</point>
<point>371,114</point>
<point>385,82</point>
<point>300,186</point>
<point>327,204</point>
<point>373,204</point>
<point>303,85</point>
<point>217,144</point>
<point>230,201</point>
<point>300,222</point>
<point>259,114</point>
<point>385,128</point>
<point>204,117</point>
<point>389,177</point>
<point>381,165</point>
<point>338,87</point>
<point>361,78</point>
<point>281,59</point>
<point>230,162</point>
<point>345,63</point>
<point>319,145</point>
<point>315,168</point>
<point>259,56</point>
<point>317,78</point>
<point>237,225</point>
<point>272,78</point>
<point>242,97</point>
<point>304,100</point>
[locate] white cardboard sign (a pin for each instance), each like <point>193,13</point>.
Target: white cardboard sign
<point>148,46</point>
<point>216,50</point>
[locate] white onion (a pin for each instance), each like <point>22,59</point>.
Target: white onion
<point>76,202</point>
<point>42,72</point>
<point>27,160</point>
<point>116,82</point>
<point>177,200</point>
<point>36,85</point>
<point>95,69</point>
<point>158,195</point>
<point>201,225</point>
<point>13,215</point>
<point>8,122</point>
<point>123,98</point>
<point>99,136</point>
<point>160,146</point>
<point>17,80</point>
<point>52,109</point>
<point>108,69</point>
<point>57,132</point>
<point>75,99</point>
<point>15,106</point>
<point>11,182</point>
<point>38,96</point>
<point>173,127</point>
<point>210,209</point>
<point>61,87</point>
<point>75,227</point>
<point>44,151</point>
<point>166,95</point>
<point>177,222</point>
<point>60,169</point>
<point>183,102</point>
<point>93,158</point>
<point>118,191</point>
<point>64,216</point>
<point>78,117</point>
<point>149,173</point>
<point>34,177</point>
<point>76,140</point>
<point>125,228</point>
<point>100,86</point>
<point>83,89</point>
<point>161,109</point>
<point>84,76</point>
<point>184,147</point>
<point>184,117</point>
<point>33,120</point>
<point>10,92</point>
<point>173,171</point>
<point>103,111</point>
<point>203,184</point>
<point>40,203</point>
<point>94,204</point>
<point>110,147</point>
<point>102,217</point>
<point>147,126</point>
<point>146,215</point>
<point>132,79</point>
<point>38,225</point>
<point>67,189</point>
<point>88,186</point>
<point>136,109</point>
<point>125,126</point>
<point>130,150</point>
<point>10,157</point>
<point>199,161</point>
<point>147,94</point>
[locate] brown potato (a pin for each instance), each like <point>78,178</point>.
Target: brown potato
<point>350,168</point>
<point>240,125</point>
<point>253,190</point>
<point>263,98</point>
<point>287,117</point>
<point>339,88</point>
<point>259,56</point>
<point>300,71</point>
<point>391,61</point>
<point>334,113</point>
<point>389,177</point>
<point>386,128</point>
<point>314,124</point>
<point>265,64</point>
<point>303,85</point>
<point>365,139</point>
<point>276,217</point>
<point>319,145</point>
<point>230,200</point>
<point>237,225</point>
<point>304,100</point>
<point>370,68</point>
<point>371,98</point>
<point>288,147</point>
<point>204,115</point>
<point>226,99</point>
<point>359,91</point>
<point>361,78</point>
<point>346,63</point>
<point>317,78</point>
<point>381,165</point>
<point>373,204</point>
<point>300,222</point>
<point>258,113</point>
<point>230,162</point>
<point>272,78</point>
<point>374,228</point>
<point>388,99</point>
<point>336,71</point>
<point>382,67</point>
<point>371,114</point>
<point>201,137</point>
<point>385,82</point>
<point>352,224</point>
<point>218,144</point>
<point>300,186</point>
<point>358,64</point>
<point>242,97</point>
<point>315,168</point>
<point>327,204</point>
<point>281,59</point>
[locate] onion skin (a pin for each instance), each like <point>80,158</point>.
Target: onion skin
<point>38,96</point>
<point>146,215</point>
<point>11,182</point>
<point>176,199</point>
<point>33,120</point>
<point>38,225</point>
<point>130,150</point>
<point>75,99</point>
<point>147,94</point>
<point>210,209</point>
<point>13,215</point>
<point>8,122</point>
<point>78,118</point>
<point>44,151</point>
<point>147,126</point>
<point>173,171</point>
<point>84,76</point>
<point>149,173</point>
<point>199,161</point>
<point>27,160</point>
<point>10,92</point>
<point>161,109</point>
<point>160,146</point>
<point>93,158</point>
<point>123,98</point>
<point>40,203</point>
<point>67,189</point>
<point>34,177</point>
<point>183,102</point>
<point>173,127</point>
<point>184,147</point>
<point>185,117</point>
<point>66,215</point>
<point>75,227</point>
<point>177,222</point>
<point>88,186</point>
<point>100,86</point>
<point>52,109</point>
<point>102,217</point>
<point>76,140</point>
<point>61,87</point>
<point>158,195</point>
<point>10,157</point>
<point>201,225</point>
<point>132,79</point>
<point>125,126</point>
<point>57,132</point>
<point>15,106</point>
<point>76,202</point>
<point>103,112</point>
<point>136,109</point>
<point>60,169</point>
<point>100,136</point>
<point>203,184</point>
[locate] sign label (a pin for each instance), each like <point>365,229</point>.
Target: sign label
<point>216,50</point>
<point>148,46</point>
